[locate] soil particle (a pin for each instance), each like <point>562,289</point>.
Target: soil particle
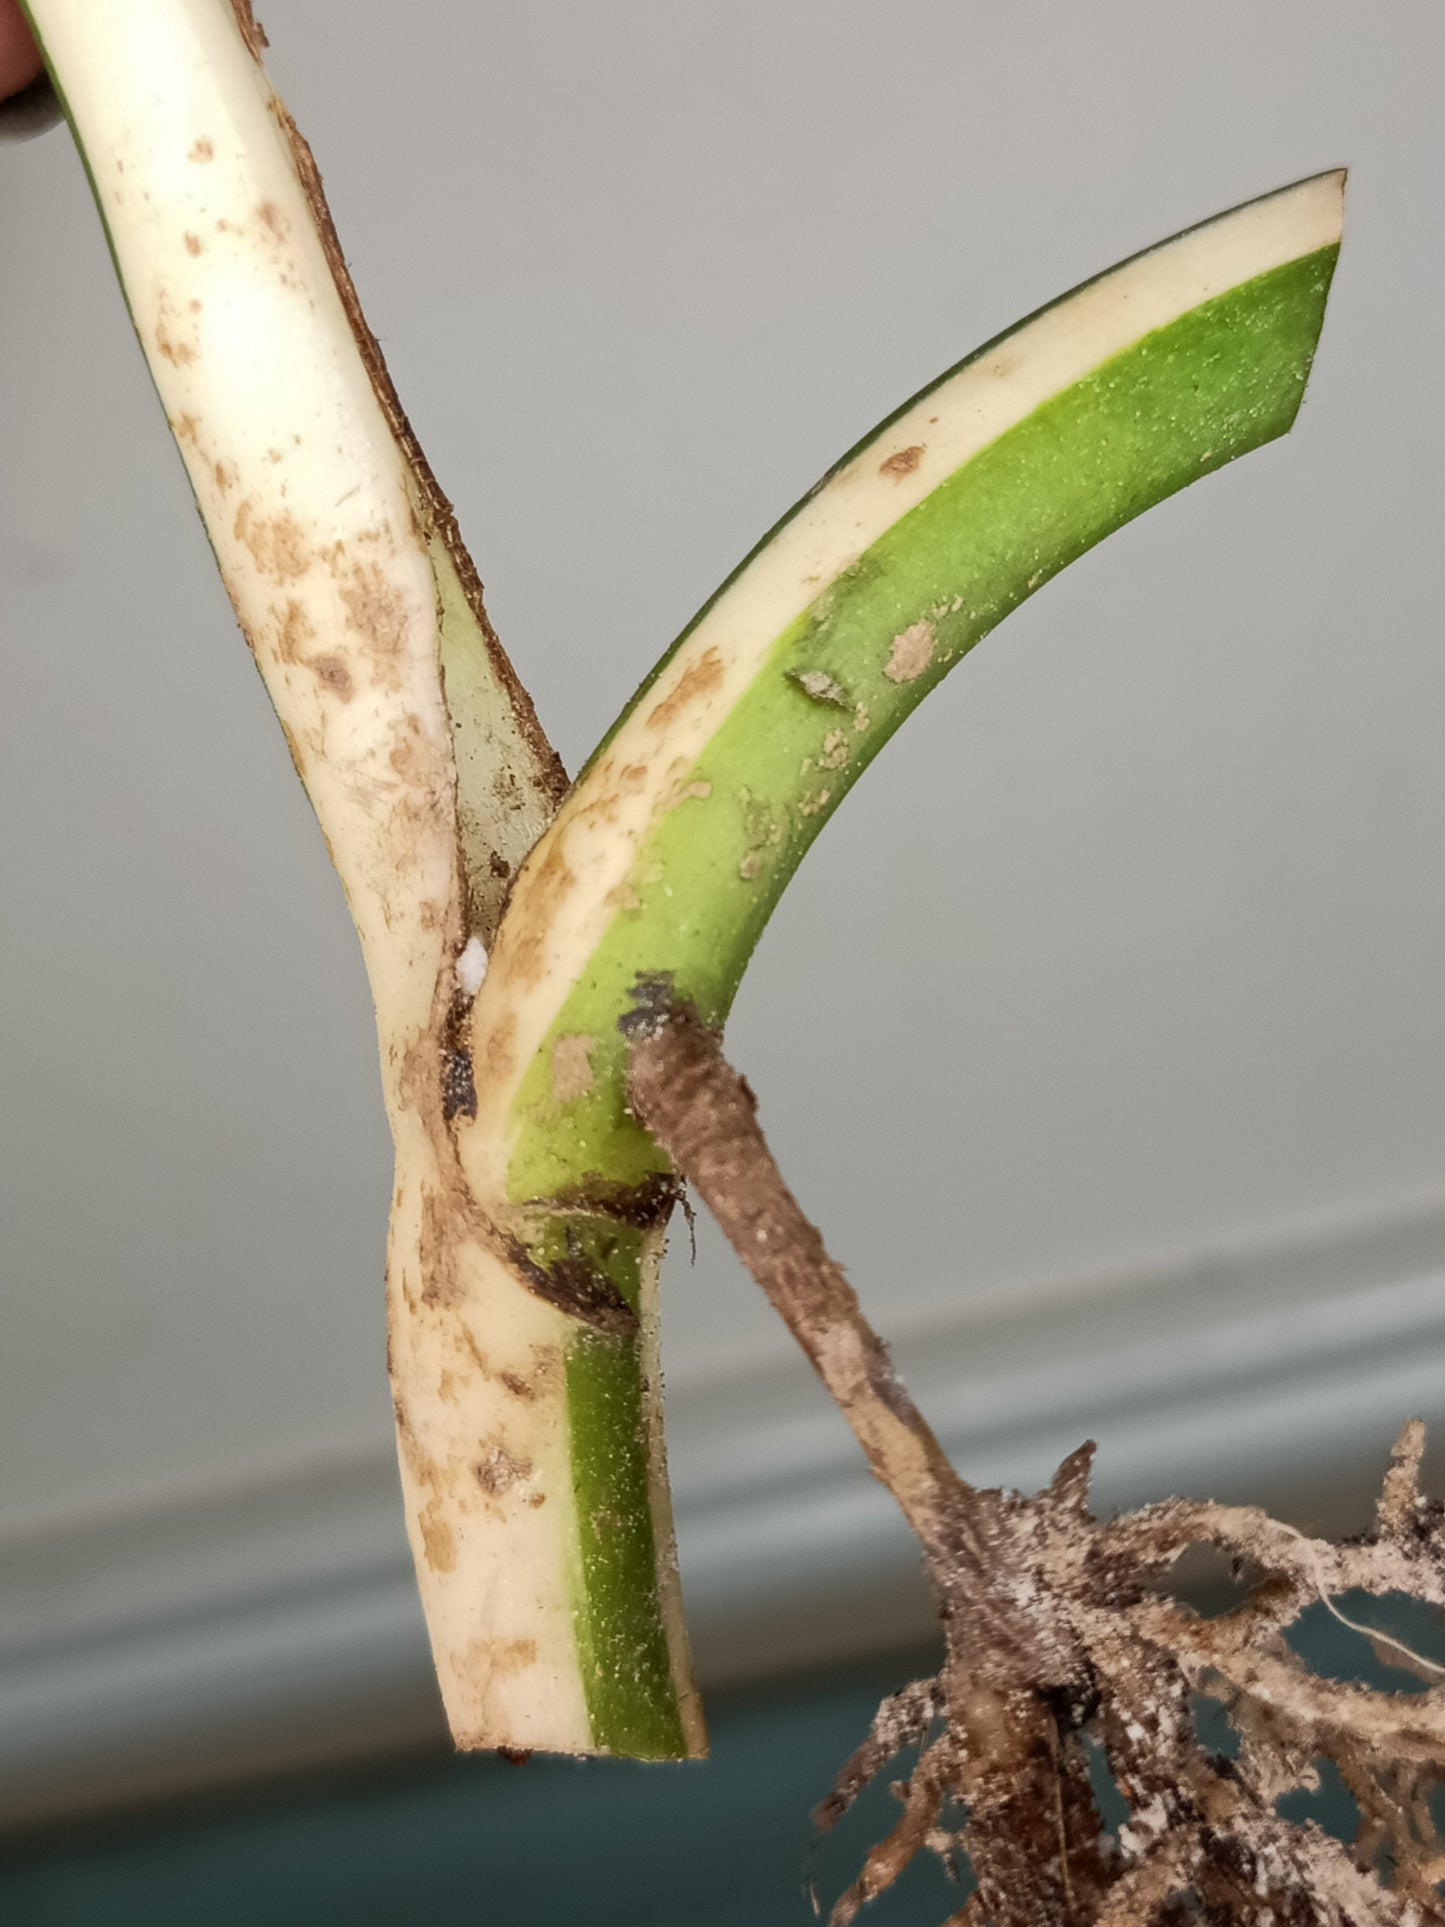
<point>820,687</point>
<point>498,1470</point>
<point>459,1089</point>
<point>834,753</point>
<point>910,653</point>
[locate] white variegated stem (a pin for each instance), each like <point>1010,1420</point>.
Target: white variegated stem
<point>353,592</point>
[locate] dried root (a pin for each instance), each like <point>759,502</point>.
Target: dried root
<point>1120,1669</point>
<point>1063,1650</point>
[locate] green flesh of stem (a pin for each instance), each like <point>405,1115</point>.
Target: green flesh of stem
<point>621,1637</point>
<point>1179,405</point>
<point>837,680</point>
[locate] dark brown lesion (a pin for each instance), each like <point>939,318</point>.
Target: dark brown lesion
<point>584,1248</point>
<point>645,1206</point>
<point>458,1075</point>
<point>575,1285</point>
<point>459,1088</point>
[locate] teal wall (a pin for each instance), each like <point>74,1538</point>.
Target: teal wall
<point>475,1842</point>
<point>723,1844</point>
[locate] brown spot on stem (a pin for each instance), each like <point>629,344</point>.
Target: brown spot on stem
<point>437,1252</point>
<point>179,354</point>
<point>695,684</point>
<point>201,150</point>
<point>572,1067</point>
<point>410,757</point>
<point>910,653</point>
<point>488,1660</point>
<point>473,1351</point>
<point>277,542</point>
<point>332,673</point>
<point>295,629</point>
<point>547,885</point>
<point>439,1542</point>
<point>903,462</point>
<point>193,244</point>
<point>518,1387</point>
<point>495,1061</point>
<point>272,219</point>
<point>378,610</point>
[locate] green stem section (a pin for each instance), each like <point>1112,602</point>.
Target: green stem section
<point>780,749</point>
<point>706,880</point>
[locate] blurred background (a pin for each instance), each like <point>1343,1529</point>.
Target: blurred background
<point>1114,1068</point>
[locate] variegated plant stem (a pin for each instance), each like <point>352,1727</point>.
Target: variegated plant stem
<point>529,1208</point>
<point>431,781</point>
<point>676,842</point>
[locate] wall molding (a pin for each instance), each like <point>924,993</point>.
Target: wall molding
<point>220,1635</point>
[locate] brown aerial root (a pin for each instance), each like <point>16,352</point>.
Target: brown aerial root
<point>1062,1648</point>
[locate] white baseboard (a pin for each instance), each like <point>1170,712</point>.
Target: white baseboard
<point>221,1635</point>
